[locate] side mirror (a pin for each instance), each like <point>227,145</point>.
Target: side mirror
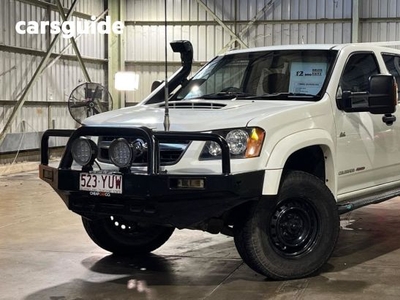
<point>156,84</point>
<point>382,94</point>
<point>381,97</point>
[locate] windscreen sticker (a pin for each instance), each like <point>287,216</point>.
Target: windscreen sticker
<point>307,78</point>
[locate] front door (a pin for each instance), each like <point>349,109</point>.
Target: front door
<point>368,152</point>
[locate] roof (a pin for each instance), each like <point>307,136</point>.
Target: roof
<point>360,46</point>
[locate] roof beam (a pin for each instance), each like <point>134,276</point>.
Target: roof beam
<point>73,42</point>
<point>33,80</point>
<point>262,12</point>
<point>220,22</point>
<point>43,4</point>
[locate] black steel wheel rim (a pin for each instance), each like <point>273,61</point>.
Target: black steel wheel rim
<point>125,229</point>
<point>293,228</point>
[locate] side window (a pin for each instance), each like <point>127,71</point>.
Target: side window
<point>392,63</point>
<point>359,68</point>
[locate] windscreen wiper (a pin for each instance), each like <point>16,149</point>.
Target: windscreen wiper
<point>224,95</point>
<point>283,95</point>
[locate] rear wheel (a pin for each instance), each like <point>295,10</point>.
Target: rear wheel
<point>291,235</point>
<point>120,236</point>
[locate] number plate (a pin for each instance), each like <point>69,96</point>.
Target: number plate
<point>107,183</point>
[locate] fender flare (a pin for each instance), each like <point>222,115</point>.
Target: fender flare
<point>289,145</point>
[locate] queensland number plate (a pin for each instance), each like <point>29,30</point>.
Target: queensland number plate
<point>107,183</point>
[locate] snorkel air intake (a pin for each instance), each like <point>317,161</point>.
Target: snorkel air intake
<point>185,48</point>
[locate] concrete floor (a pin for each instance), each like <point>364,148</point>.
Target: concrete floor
<point>45,254</point>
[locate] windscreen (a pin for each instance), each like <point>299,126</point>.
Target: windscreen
<point>283,74</point>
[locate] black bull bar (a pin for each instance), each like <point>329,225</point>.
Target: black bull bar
<point>152,196</point>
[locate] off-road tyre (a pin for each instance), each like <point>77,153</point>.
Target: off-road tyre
<point>293,234</point>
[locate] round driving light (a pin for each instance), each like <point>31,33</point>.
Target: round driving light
<point>121,153</point>
<point>84,151</point>
<point>214,149</point>
<point>237,141</point>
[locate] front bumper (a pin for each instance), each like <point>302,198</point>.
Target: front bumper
<point>153,196</point>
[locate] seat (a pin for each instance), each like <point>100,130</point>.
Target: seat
<point>275,83</point>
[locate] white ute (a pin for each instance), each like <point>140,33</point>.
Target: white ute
<point>269,145</point>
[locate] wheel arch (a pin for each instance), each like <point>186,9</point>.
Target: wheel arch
<point>311,151</point>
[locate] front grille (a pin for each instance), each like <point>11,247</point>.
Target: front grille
<point>170,156</point>
<point>170,153</point>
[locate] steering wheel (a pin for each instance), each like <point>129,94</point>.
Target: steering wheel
<point>231,89</point>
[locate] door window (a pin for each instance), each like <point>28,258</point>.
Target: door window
<point>393,66</point>
<point>356,74</point>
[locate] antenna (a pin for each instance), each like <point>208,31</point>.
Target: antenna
<point>166,112</point>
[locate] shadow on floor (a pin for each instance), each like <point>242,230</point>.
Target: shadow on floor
<point>143,277</point>
<point>366,235</point>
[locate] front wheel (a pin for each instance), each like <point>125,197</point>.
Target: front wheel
<point>293,234</point>
<point>120,236</point>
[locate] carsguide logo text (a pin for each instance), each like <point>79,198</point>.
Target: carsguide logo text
<point>70,29</point>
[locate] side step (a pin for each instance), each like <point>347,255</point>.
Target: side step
<point>364,201</point>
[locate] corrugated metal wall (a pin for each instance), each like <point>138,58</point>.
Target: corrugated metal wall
<point>273,22</point>
<point>279,22</point>
<point>380,20</point>
<point>21,54</point>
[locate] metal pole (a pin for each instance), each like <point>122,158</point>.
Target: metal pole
<point>115,52</point>
<point>74,45</point>
<point>262,12</point>
<point>39,69</point>
<point>355,21</point>
<point>70,44</point>
<point>220,22</point>
<point>166,110</point>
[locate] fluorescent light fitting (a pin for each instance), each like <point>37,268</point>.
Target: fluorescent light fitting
<point>126,81</point>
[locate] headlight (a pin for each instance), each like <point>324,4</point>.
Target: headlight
<point>243,143</point>
<point>84,151</point>
<point>121,153</point>
<point>237,141</point>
